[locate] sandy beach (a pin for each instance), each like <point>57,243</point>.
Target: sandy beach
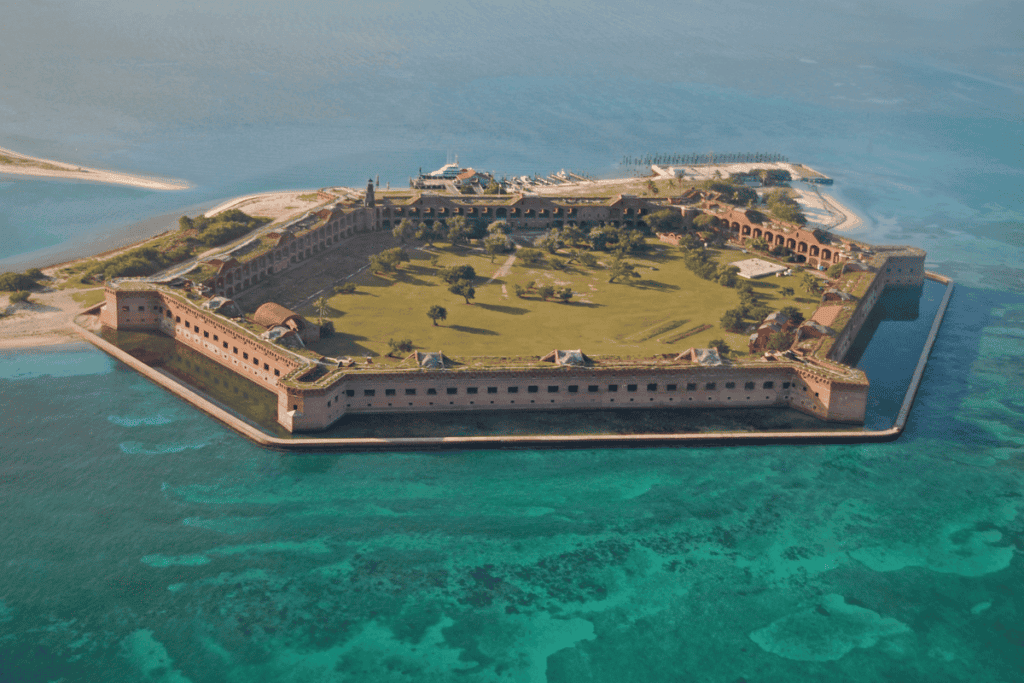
<point>275,205</point>
<point>824,210</point>
<point>46,320</point>
<point>15,163</point>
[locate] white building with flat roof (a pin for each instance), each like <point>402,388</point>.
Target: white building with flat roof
<point>752,268</point>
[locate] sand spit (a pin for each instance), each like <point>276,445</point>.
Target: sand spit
<point>21,164</point>
<point>46,320</point>
<point>276,205</point>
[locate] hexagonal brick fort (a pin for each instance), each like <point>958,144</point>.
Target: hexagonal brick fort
<point>314,392</point>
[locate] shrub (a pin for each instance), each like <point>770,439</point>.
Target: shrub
<point>835,270</point>
<point>546,291</point>
<point>20,297</point>
<point>347,288</point>
<point>12,282</point>
<point>723,348</point>
<point>779,341</point>
<point>530,257</point>
<point>399,346</point>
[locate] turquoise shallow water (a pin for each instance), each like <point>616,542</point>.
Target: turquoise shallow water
<point>141,541</point>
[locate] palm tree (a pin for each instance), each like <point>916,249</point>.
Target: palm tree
<point>322,306</point>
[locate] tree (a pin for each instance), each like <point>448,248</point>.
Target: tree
<point>584,257</point>
<point>726,275</point>
<point>347,288</point>
<point>549,241</point>
<point>784,207</point>
<point>388,260</point>
<point>427,233</point>
<point>787,291</point>
<point>519,290</point>
<point>497,243</point>
<point>779,341</point>
<point>34,273</point>
<point>322,306</point>
<point>732,320</point>
<point>758,312</point>
<point>835,270</point>
<point>458,230</point>
<point>499,226</point>
<point>631,242</point>
<point>572,235</point>
<point>810,283</point>
<point>758,243</point>
<point>723,348</point>
<point>405,230</point>
<point>463,288</point>
<point>20,297</point>
<point>705,221</point>
<point>793,313</point>
<point>667,220</point>
<point>453,274</point>
<point>564,294</point>
<point>399,346</point>
<point>185,223</point>
<point>603,236</point>
<point>622,269</point>
<point>492,187</point>
<point>546,291</point>
<point>436,313</point>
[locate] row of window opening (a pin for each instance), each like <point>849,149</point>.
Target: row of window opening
<point>572,388</point>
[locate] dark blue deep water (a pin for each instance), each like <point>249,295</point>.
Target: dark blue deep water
<point>142,541</point>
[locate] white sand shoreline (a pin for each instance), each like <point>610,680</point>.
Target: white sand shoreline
<point>48,168</point>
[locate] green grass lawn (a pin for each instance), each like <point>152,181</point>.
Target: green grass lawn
<point>90,297</point>
<point>629,319</point>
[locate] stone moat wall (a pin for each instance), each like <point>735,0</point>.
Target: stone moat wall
<point>312,408</point>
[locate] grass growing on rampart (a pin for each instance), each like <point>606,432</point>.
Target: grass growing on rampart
<point>634,318</point>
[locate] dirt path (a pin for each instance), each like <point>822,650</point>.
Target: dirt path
<point>504,269</point>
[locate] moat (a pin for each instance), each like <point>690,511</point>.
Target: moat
<point>886,349</point>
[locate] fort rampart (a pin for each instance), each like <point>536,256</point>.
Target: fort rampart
<point>823,388</point>
<point>822,392</point>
